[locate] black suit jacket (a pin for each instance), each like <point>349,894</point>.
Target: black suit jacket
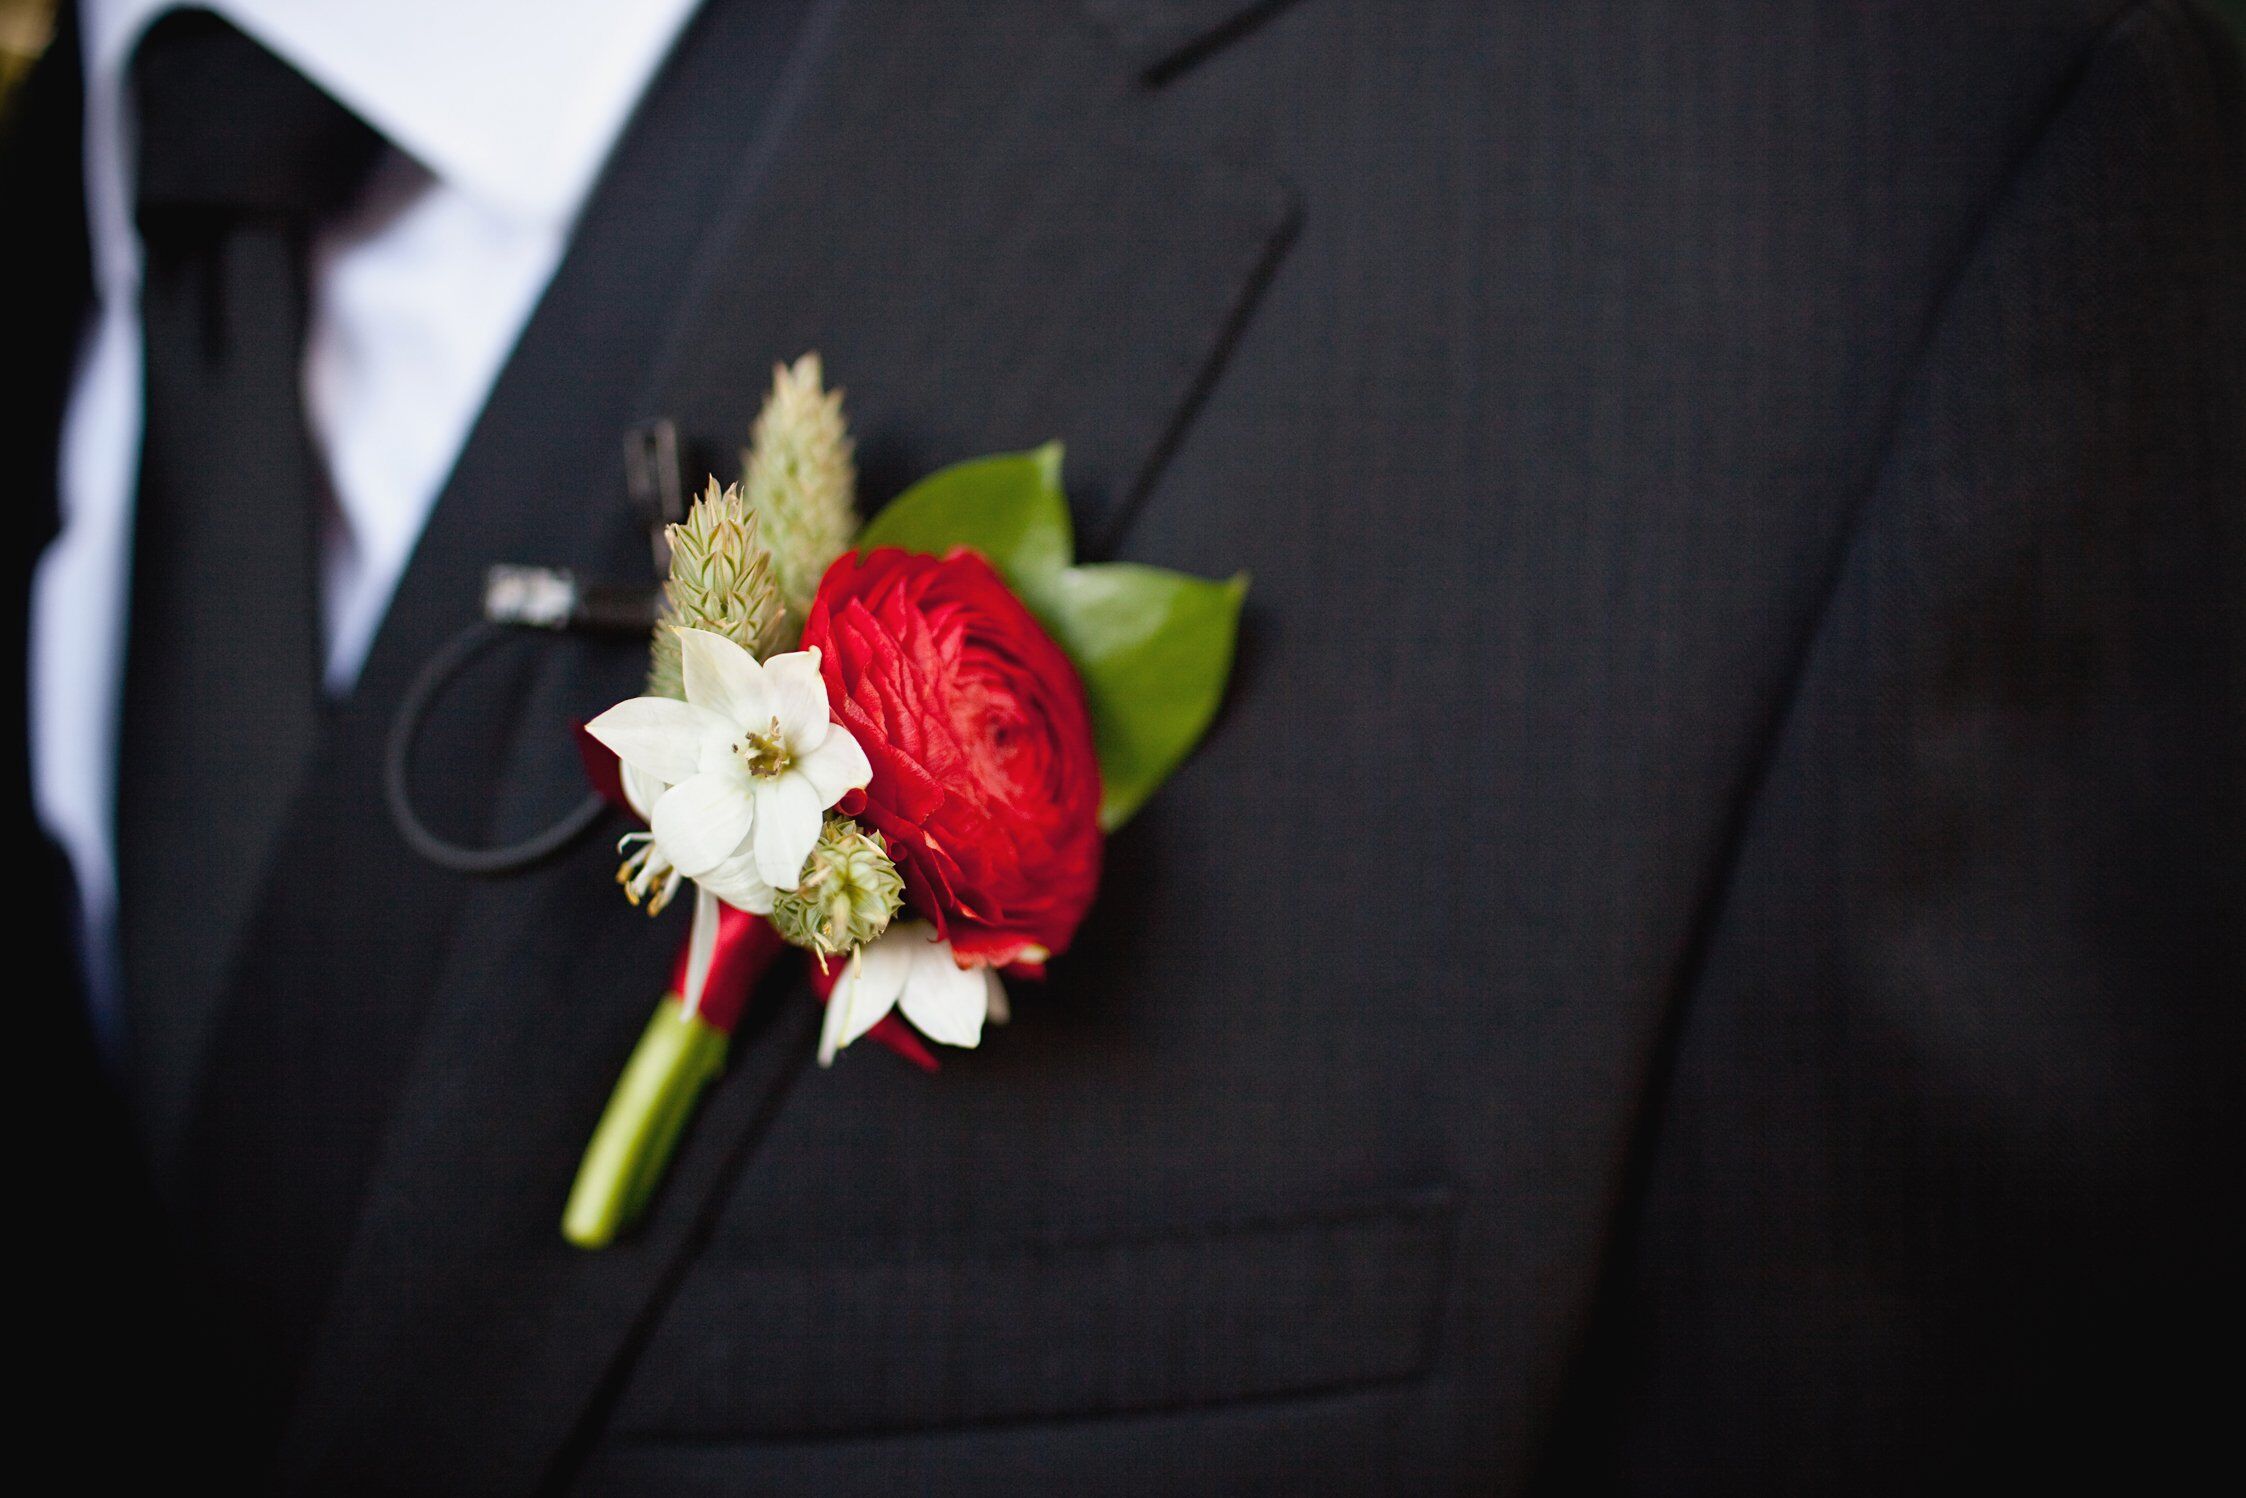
<point>1704,953</point>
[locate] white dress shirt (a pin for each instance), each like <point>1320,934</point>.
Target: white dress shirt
<point>502,113</point>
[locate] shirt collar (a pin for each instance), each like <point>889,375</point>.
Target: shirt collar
<point>514,102</point>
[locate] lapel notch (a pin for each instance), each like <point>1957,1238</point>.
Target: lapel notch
<point>1162,38</point>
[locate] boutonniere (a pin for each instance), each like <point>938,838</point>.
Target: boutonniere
<point>899,747</point>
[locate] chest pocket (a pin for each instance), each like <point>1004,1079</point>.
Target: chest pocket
<point>864,1340</point>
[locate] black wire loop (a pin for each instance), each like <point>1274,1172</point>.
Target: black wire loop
<point>405,729</point>
<point>547,599</point>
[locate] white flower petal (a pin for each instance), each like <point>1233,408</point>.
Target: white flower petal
<point>724,679</point>
<point>656,735</point>
<point>737,882</point>
<point>787,827</point>
<point>699,822</point>
<point>869,988</point>
<point>641,790</point>
<point>837,767</point>
<point>1000,1012</point>
<point>838,1013</point>
<point>701,950</point>
<point>945,1002</point>
<point>799,698</point>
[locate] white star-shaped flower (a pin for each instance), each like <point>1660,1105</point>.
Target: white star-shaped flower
<point>734,780</point>
<point>913,970</point>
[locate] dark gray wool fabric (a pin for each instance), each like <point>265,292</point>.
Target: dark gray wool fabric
<point>1704,953</point>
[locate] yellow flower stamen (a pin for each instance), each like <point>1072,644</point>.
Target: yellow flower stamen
<point>766,754</point>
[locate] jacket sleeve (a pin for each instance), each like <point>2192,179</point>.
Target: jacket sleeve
<point>1941,1179</point>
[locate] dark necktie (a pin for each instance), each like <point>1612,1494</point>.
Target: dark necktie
<point>239,159</point>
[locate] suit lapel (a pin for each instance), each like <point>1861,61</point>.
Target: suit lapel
<point>954,208</point>
<point>46,270</point>
<point>539,480</point>
<point>49,275</point>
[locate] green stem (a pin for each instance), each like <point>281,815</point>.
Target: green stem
<point>677,1056</point>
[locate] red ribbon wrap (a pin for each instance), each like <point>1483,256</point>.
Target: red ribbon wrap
<point>744,951</point>
<point>745,948</point>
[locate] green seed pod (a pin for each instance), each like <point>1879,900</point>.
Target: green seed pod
<point>849,893</point>
<point>721,581</point>
<point>799,480</point>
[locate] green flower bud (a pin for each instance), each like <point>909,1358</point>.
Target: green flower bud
<point>849,892</point>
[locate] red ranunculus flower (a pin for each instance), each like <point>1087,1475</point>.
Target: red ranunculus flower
<point>984,779</point>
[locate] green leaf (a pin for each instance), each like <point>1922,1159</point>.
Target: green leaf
<point>1009,507</point>
<point>1154,648</point>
